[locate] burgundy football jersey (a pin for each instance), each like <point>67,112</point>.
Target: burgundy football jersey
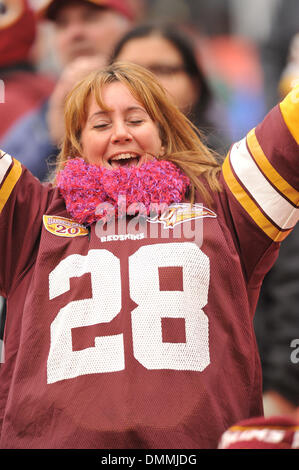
<point>139,334</point>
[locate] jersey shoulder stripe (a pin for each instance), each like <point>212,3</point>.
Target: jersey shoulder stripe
<point>10,172</point>
<point>280,211</point>
<point>250,205</point>
<point>269,171</point>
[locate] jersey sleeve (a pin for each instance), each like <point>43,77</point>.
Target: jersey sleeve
<point>260,176</point>
<point>23,200</point>
<point>274,432</point>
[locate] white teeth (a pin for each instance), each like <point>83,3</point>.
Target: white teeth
<point>123,156</point>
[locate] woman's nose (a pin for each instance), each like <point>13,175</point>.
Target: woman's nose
<point>121,133</point>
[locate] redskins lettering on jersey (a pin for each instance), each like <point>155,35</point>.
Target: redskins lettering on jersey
<point>142,336</point>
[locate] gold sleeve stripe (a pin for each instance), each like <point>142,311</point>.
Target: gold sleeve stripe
<point>10,182</point>
<point>271,174</point>
<point>290,111</point>
<point>263,426</point>
<point>250,206</point>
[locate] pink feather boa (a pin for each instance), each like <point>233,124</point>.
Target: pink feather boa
<point>93,193</point>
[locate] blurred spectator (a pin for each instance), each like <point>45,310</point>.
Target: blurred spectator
<point>169,54</point>
<point>85,32</point>
<point>87,27</point>
<point>23,88</point>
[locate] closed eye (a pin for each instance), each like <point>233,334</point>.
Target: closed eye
<point>136,121</point>
<point>100,126</point>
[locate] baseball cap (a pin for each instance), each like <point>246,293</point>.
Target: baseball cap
<point>121,6</point>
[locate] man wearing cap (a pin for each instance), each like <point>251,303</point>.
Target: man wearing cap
<point>87,27</point>
<point>85,32</point>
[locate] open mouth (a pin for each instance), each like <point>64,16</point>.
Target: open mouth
<point>124,160</point>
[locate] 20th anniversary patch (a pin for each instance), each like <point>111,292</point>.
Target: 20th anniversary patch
<point>63,227</point>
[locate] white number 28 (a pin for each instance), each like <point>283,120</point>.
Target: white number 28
<point>107,354</point>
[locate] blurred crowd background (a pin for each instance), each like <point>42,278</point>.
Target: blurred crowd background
<point>243,46</point>
<point>247,58</point>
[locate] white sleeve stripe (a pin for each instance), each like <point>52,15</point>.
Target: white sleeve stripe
<point>273,204</point>
<point>5,163</point>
